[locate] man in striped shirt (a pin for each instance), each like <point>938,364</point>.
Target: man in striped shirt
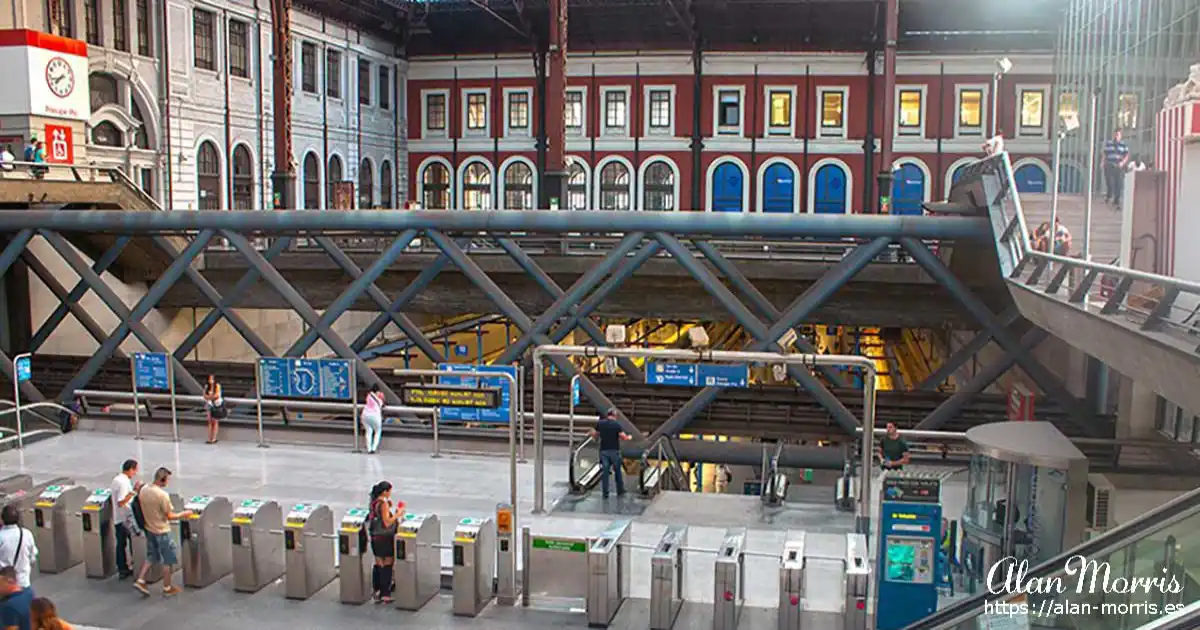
<point>1116,155</point>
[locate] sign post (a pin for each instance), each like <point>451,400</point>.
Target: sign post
<point>22,371</point>
<point>571,414</point>
<point>258,395</point>
<point>152,371</point>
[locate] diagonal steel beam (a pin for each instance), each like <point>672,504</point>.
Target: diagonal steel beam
<point>582,286</point>
<point>514,313</point>
<point>402,321</point>
<point>80,289</point>
<point>605,290</point>
<point>1045,379</point>
<point>800,308</point>
<point>81,314</point>
<point>297,303</point>
<point>964,354</point>
<point>530,266</point>
<point>13,250</point>
<point>361,283</point>
<point>760,303</point>
<point>227,303</point>
<point>131,320</point>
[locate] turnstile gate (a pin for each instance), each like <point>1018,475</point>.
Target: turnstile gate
<point>99,535</point>
<point>59,540</point>
<point>858,577</point>
<point>791,582</point>
<point>730,580</point>
<point>418,560</point>
<point>256,536</point>
<point>206,554</point>
<point>474,565</point>
<point>608,568</point>
<point>355,559</point>
<point>138,545</point>
<point>666,578</point>
<point>309,549</point>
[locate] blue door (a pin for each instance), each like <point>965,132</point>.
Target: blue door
<point>958,173</point>
<point>829,190</point>
<point>727,188</point>
<point>908,190</point>
<point>779,189</point>
<point>1069,180</point>
<point>1030,179</point>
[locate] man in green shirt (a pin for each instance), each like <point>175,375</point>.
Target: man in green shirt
<point>893,450</point>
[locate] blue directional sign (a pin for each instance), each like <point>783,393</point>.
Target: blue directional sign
<point>24,369</point>
<point>304,378</point>
<point>697,374</point>
<point>335,379</point>
<point>462,414</point>
<point>274,377</point>
<point>678,374</point>
<point>150,371</point>
<point>575,392</point>
<point>714,375</point>
<point>461,350</point>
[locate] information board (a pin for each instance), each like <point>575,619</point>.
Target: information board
<point>151,371</point>
<point>24,369</point>
<point>912,489</point>
<point>698,374</point>
<point>678,374</point>
<point>461,350</point>
<point>720,375</point>
<point>304,378</point>
<point>499,414</point>
<point>575,392</point>
<point>451,396</point>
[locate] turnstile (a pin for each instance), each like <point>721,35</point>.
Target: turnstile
<point>206,554</point>
<point>99,537</point>
<point>418,560</point>
<point>858,577</point>
<point>255,533</point>
<point>138,544</point>
<point>26,498</point>
<point>666,578</point>
<point>308,549</point>
<point>474,565</point>
<point>729,580</point>
<point>608,573</point>
<point>791,582</point>
<point>59,541</point>
<point>13,484</point>
<point>355,559</point>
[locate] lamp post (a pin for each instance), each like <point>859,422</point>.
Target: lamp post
<point>1003,65</point>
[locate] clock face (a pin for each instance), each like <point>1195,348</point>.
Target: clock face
<point>60,77</point>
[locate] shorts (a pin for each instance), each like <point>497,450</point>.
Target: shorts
<point>383,546</point>
<point>160,549</point>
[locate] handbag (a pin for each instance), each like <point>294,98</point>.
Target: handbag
<point>218,411</point>
<point>377,528</point>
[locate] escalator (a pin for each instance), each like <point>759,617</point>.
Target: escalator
<point>660,468</point>
<point>1163,542</point>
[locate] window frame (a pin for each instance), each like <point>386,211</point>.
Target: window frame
<point>829,131</point>
<point>1118,113</point>
<point>308,51</point>
<point>120,27</point>
<point>384,86</point>
<point>477,132</point>
<point>629,189</point>
<point>961,131</point>
<point>525,131</point>
<point>336,82</point>
<point>462,183</point>
<point>580,131</point>
<point>648,128</point>
<point>779,131</point>
<point>211,49</point>
<point>93,31</point>
<point>574,162</point>
<point>607,130</point>
<point>244,71</point>
<point>424,188</point>
<point>426,130</point>
<point>364,87</point>
<point>918,131</point>
<point>719,129</point>
<point>142,25</point>
<point>503,183</point>
<point>1042,130</point>
<point>644,188</point>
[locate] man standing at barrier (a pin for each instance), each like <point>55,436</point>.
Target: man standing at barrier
<point>17,548</point>
<point>893,449</point>
<point>610,433</point>
<point>124,489</point>
<point>160,549</point>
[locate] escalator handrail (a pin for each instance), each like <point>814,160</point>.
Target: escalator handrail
<point>1185,618</point>
<point>664,449</point>
<point>1153,521</point>
<point>574,462</point>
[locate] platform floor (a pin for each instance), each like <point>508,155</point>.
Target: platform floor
<point>454,486</point>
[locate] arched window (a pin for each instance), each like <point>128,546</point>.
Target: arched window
<point>614,187</point>
<point>103,89</point>
<point>385,185</point>
<point>660,187</point>
<point>435,187</point>
<point>243,179</point>
<point>208,176</point>
<point>518,187</point>
<point>312,182</point>
<point>366,185</point>
<point>576,187</point>
<point>333,177</point>
<point>477,187</point>
<point>142,134</point>
<point>106,134</point>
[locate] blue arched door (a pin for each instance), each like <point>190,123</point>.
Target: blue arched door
<point>727,188</point>
<point>829,190</point>
<point>1030,178</point>
<point>779,188</point>
<point>959,171</point>
<point>908,189</point>
<point>1069,180</point>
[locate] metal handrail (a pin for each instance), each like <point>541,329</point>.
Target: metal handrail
<point>577,479</point>
<point>664,449</point>
<point>1136,274</point>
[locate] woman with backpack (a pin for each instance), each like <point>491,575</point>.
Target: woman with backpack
<point>383,523</point>
<point>372,418</point>
<point>214,408</point>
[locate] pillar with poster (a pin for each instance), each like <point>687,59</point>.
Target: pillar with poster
<point>1020,403</point>
<point>46,120</point>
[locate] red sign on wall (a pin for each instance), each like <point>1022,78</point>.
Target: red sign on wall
<point>60,144</point>
<point>1020,403</point>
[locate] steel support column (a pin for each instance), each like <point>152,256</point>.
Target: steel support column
<point>530,266</point>
<point>891,29</point>
<point>283,179</point>
<point>18,327</point>
<point>423,280</point>
<point>84,318</point>
<point>606,289</point>
<point>556,86</point>
<point>80,289</point>
<point>8,257</point>
<point>964,354</point>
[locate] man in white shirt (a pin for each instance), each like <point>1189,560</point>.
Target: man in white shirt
<point>7,158</point>
<point>17,547</point>
<point>123,492</point>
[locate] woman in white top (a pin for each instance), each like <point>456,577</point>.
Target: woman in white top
<point>372,418</point>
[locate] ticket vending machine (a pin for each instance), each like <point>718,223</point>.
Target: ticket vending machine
<point>256,537</point>
<point>205,553</point>
<point>99,536</point>
<point>418,560</point>
<point>59,540</point>
<point>355,558</point>
<point>309,549</point>
<point>474,565</point>
<point>909,524</point>
<point>138,557</point>
<point>791,581</point>
<point>730,580</point>
<point>666,578</point>
<point>608,573</point>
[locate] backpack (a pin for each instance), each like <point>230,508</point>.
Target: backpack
<point>135,506</point>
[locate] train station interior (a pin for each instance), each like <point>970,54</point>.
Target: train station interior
<point>668,314</point>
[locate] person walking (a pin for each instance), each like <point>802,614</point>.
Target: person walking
<point>160,549</point>
<point>44,616</point>
<point>384,520</point>
<point>1116,155</point>
<point>17,546</point>
<point>610,433</point>
<point>214,408</point>
<point>16,602</point>
<point>372,418</point>
<point>124,489</point>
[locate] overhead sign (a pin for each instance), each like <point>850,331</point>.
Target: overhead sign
<point>24,368</point>
<point>327,379</point>
<point>498,414</point>
<point>44,75</point>
<point>461,350</point>
<point>715,375</point>
<point>912,489</point>
<point>678,374</point>
<point>151,370</point>
<point>60,144</point>
<point>451,396</point>
<point>698,374</point>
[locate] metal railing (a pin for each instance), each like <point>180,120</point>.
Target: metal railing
<point>78,173</point>
<point>584,471</point>
<point>665,473</point>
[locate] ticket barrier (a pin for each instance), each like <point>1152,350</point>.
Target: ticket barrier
<point>59,541</point>
<point>14,484</point>
<point>791,582</point>
<point>138,544</point>
<point>474,565</point>
<point>255,533</point>
<point>608,573</point>
<point>355,558</point>
<point>308,549</point>
<point>25,498</point>
<point>419,561</point>
<point>858,578</point>
<point>99,536</point>
<point>666,578</point>
<point>205,552</point>
<point>730,580</point>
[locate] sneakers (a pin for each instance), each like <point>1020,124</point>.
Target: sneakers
<point>141,588</point>
<point>171,590</point>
